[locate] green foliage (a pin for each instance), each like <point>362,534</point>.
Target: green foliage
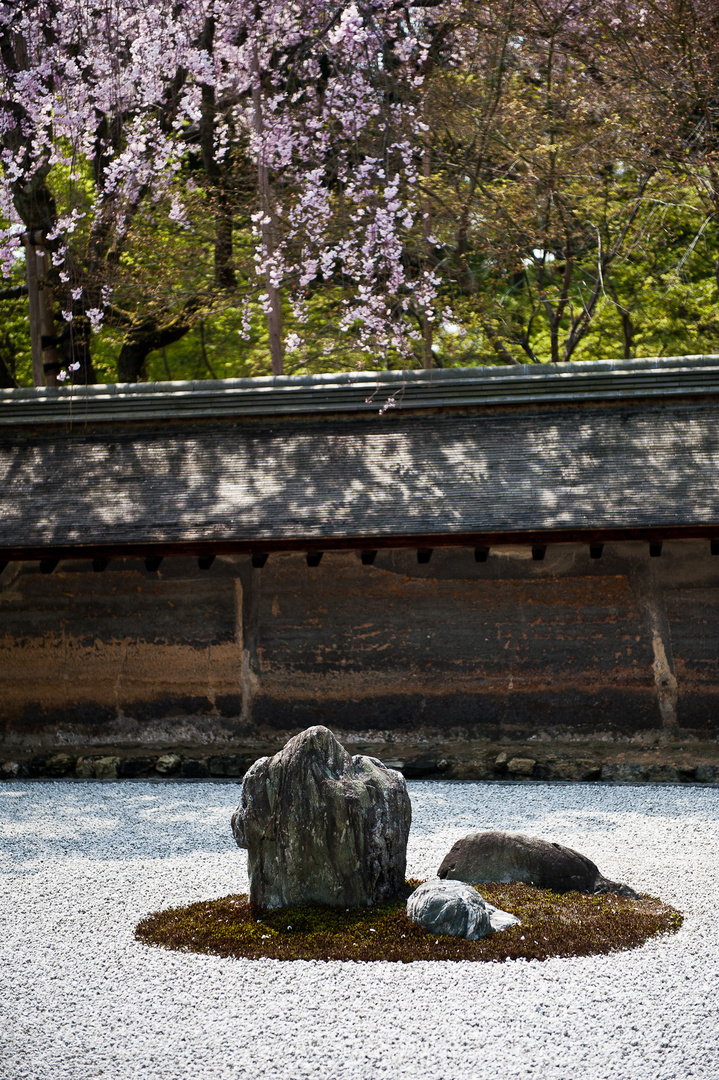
<point>15,354</point>
<point>666,286</point>
<point>570,924</point>
<point>532,182</point>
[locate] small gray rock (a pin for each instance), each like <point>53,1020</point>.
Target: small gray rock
<point>624,772</point>
<point>564,770</point>
<point>419,767</point>
<point>135,766</point>
<point>586,769</point>
<point>230,764</point>
<point>168,763</point>
<point>99,768</point>
<point>59,764</point>
<point>500,856</point>
<point>194,769</point>
<point>106,768</point>
<point>500,920</point>
<point>519,766</point>
<point>455,909</point>
<point>449,907</point>
<point>322,827</point>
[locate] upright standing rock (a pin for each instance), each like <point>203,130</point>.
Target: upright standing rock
<point>322,827</point>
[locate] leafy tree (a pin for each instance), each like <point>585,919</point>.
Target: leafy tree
<point>229,188</point>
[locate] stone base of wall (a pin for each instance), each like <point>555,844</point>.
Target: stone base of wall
<point>688,761</point>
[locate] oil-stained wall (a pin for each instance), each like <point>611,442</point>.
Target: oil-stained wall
<point>490,656</point>
<point>120,657</point>
<point>569,647</point>
<point>693,615</point>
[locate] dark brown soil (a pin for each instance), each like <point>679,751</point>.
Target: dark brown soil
<point>570,924</point>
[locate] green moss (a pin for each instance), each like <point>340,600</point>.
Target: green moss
<point>570,924</point>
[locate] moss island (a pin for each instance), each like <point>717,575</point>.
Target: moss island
<point>552,924</point>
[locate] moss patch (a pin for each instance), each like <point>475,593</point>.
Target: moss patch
<point>570,924</point>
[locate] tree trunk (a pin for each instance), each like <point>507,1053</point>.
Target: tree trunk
<point>428,356</point>
<point>140,341</point>
<point>225,277</point>
<point>50,362</point>
<point>33,297</point>
<point>75,349</point>
<point>6,380</point>
<point>224,270</point>
<point>131,362</point>
<point>274,314</point>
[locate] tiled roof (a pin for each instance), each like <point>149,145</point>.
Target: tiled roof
<point>482,470</point>
<point>364,392</point>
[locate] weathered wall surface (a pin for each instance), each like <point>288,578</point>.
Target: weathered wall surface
<point>486,656</point>
<point>693,615</point>
<point>122,657</point>
<point>620,648</point>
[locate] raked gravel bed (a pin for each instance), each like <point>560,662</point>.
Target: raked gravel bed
<point>79,997</point>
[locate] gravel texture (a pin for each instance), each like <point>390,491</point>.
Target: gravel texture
<point>80,998</point>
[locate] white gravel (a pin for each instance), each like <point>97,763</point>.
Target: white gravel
<point>79,997</point>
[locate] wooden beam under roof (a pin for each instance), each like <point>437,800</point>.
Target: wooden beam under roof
<point>370,544</point>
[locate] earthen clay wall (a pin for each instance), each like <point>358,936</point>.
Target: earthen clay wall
<point>456,659</point>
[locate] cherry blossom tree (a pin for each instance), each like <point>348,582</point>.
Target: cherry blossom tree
<point>396,157</point>
<point>109,99</point>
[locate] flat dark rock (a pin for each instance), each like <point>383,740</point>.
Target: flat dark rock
<point>500,856</point>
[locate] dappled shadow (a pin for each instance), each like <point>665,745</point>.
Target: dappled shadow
<point>627,467</point>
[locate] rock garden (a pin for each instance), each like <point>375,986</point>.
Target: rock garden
<point>326,838</point>
<point>83,863</point>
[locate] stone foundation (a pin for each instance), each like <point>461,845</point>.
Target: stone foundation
<point>693,763</point>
